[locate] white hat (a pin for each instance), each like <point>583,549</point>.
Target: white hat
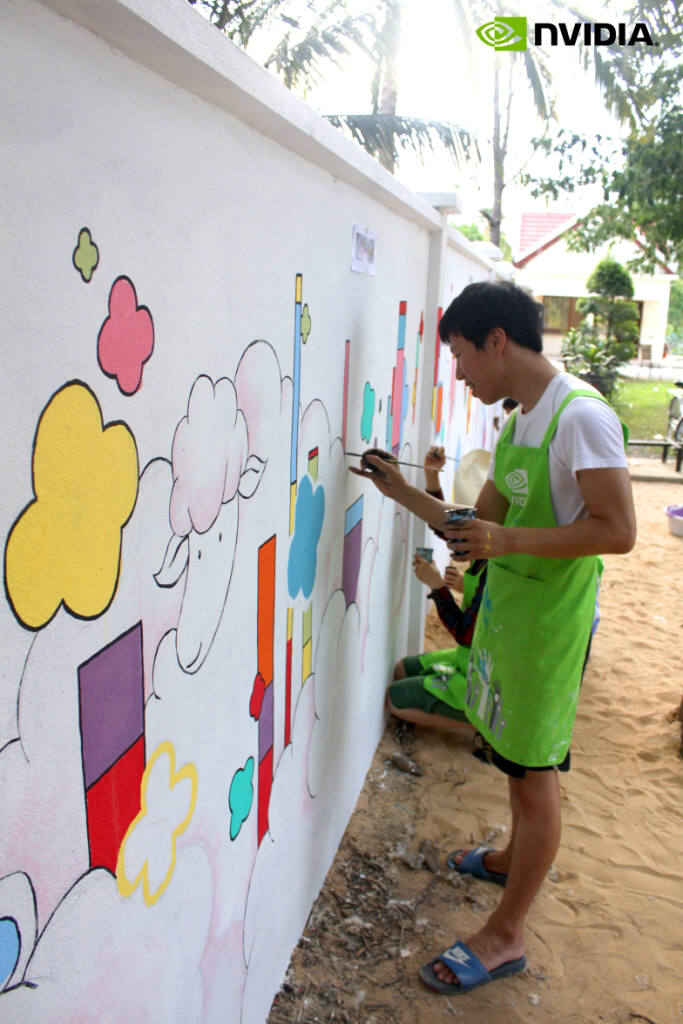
<point>470,476</point>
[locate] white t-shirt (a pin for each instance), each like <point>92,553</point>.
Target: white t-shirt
<point>588,436</point>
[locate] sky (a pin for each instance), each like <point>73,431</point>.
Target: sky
<point>436,83</point>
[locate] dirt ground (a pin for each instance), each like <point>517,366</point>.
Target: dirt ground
<point>605,935</point>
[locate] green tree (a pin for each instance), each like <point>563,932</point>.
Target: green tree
<point>384,133</point>
<point>642,188</point>
<point>330,33</point>
<point>471,231</point>
<point>311,36</point>
<point>674,325</point>
<point>642,200</point>
<point>608,334</point>
<point>614,316</point>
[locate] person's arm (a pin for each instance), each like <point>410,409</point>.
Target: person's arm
<point>448,610</point>
<point>491,505</point>
<point>610,527</point>
<point>434,461</point>
<point>389,480</point>
<point>427,572</point>
<point>459,622</point>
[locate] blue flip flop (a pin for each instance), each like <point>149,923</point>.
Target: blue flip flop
<point>468,969</point>
<point>473,864</point>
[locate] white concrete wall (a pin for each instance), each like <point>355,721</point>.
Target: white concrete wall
<point>201,613</point>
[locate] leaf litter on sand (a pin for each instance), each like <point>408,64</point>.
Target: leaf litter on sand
<point>605,921</point>
<point>355,962</point>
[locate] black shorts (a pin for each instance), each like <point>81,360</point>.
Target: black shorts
<point>518,771</point>
<point>485,752</point>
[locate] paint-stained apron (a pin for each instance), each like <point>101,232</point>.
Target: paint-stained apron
<point>447,679</point>
<point>534,622</point>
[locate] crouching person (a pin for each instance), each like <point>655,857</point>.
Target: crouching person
<point>429,688</point>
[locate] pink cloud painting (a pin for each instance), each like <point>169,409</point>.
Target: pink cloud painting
<point>126,338</point>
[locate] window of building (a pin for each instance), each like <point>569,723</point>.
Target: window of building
<point>559,313</point>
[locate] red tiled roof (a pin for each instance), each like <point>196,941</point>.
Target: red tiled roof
<point>538,226</point>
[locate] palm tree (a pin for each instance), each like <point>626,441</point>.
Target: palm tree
<point>383,132</point>
<point>310,38</point>
<point>313,37</point>
<point>333,32</point>
<point>623,75</point>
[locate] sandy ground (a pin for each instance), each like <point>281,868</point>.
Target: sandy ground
<point>605,935</point>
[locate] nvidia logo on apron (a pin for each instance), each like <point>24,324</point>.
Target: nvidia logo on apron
<point>518,482</point>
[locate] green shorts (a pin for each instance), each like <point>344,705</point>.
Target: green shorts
<point>411,693</point>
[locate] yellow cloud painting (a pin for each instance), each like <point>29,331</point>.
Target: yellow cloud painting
<point>65,547</point>
<point>148,851</point>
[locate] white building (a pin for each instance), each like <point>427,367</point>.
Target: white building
<point>557,277</point>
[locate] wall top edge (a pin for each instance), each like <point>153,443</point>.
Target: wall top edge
<point>175,42</point>
<point>460,243</point>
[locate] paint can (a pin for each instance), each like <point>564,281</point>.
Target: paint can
<point>456,515</point>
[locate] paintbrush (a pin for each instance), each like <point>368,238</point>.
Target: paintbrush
<point>393,460</point>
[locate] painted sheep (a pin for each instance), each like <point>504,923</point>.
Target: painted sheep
<point>211,469</point>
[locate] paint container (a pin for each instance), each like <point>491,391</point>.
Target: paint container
<point>426,553</point>
<point>674,514</point>
<point>456,515</point>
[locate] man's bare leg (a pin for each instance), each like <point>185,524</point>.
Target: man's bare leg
<point>429,720</point>
<point>498,861</point>
<point>535,801</point>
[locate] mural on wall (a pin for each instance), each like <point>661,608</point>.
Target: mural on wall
<point>437,389</point>
<point>397,403</point>
<point>161,746</point>
<point>203,606</point>
<point>296,393</point>
<point>126,338</point>
<point>212,471</point>
<point>241,797</point>
<point>418,346</point>
<point>18,927</point>
<point>262,706</point>
<point>85,256</point>
<point>111,710</point>
<point>54,558</point>
<point>347,356</point>
<point>368,412</point>
<point>147,853</point>
<point>353,536</point>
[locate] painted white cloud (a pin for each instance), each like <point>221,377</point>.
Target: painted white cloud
<point>320,774</point>
<point>108,959</point>
<point>41,773</point>
<point>18,909</point>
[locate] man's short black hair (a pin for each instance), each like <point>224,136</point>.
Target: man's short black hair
<point>487,304</point>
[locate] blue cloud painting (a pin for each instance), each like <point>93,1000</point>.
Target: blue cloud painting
<point>303,550</point>
<point>368,412</point>
<point>241,797</point>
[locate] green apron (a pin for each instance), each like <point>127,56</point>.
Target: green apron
<point>447,679</point>
<point>534,622</point>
